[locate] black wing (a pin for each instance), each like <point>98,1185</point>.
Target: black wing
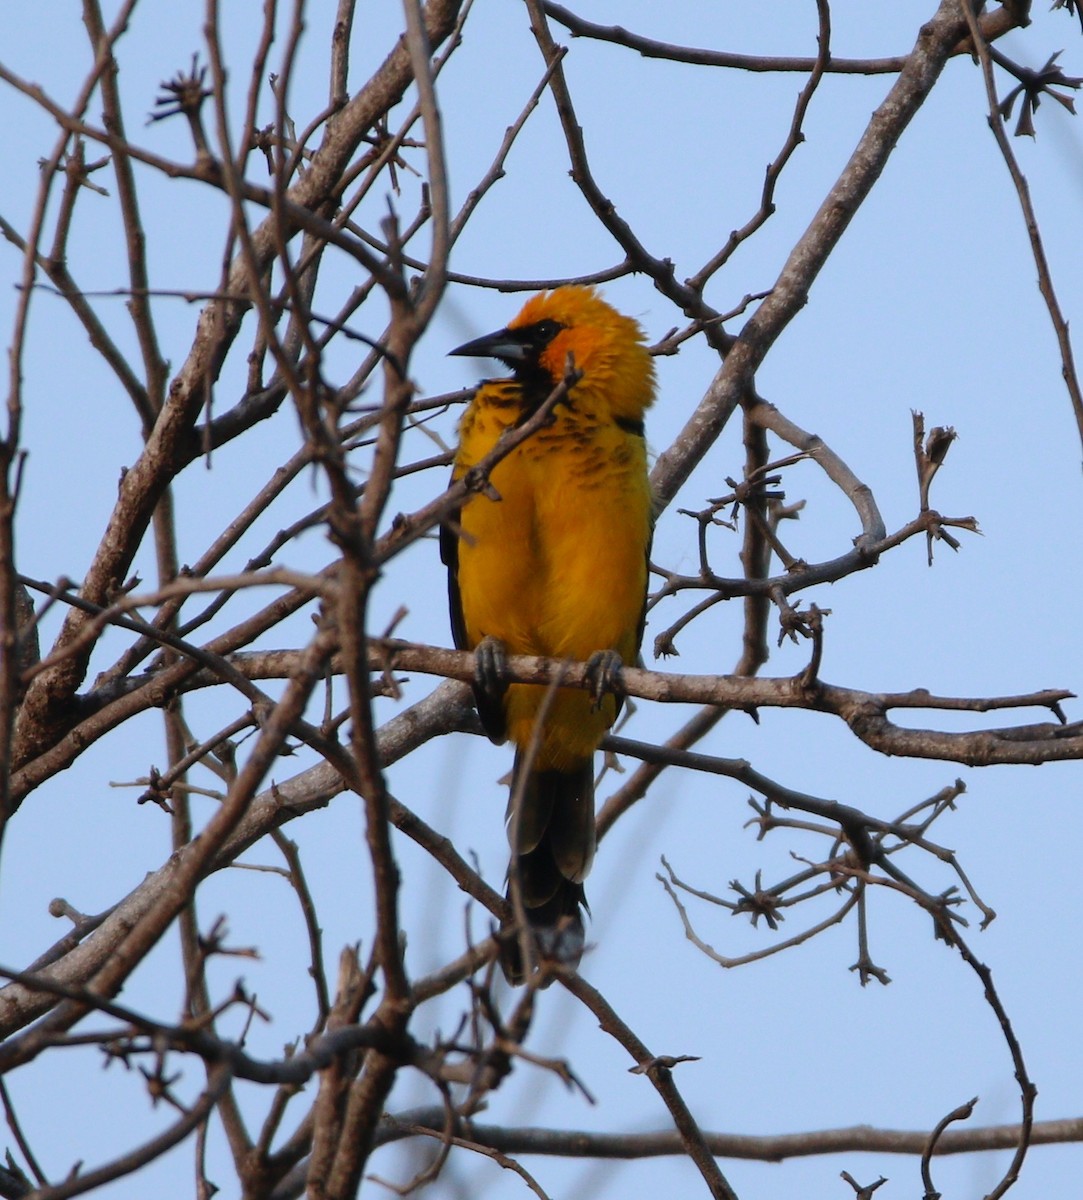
<point>490,707</point>
<point>449,556</point>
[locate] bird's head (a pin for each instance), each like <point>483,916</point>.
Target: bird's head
<point>608,348</point>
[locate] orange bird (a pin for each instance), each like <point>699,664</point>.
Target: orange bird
<point>556,566</point>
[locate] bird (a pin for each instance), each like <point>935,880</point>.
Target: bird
<point>552,559</point>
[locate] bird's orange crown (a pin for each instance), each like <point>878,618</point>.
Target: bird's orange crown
<point>609,348</point>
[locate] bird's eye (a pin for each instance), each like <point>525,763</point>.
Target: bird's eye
<point>545,331</point>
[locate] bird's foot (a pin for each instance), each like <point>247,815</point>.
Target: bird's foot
<point>491,668</point>
<point>604,669</point>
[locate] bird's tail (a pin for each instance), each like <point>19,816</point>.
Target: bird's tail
<point>551,826</point>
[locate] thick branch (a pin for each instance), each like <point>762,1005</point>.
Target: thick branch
<point>857,1139</point>
<point>864,712</point>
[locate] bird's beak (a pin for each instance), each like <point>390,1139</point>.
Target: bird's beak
<point>505,344</point>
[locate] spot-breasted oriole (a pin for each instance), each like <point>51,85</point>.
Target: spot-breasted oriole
<point>556,566</point>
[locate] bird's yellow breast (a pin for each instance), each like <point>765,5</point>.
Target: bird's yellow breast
<point>558,565</point>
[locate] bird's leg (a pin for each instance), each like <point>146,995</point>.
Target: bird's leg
<point>491,669</point>
<point>604,669</point>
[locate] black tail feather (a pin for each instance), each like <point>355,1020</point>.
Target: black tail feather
<point>553,847</point>
<point>555,928</point>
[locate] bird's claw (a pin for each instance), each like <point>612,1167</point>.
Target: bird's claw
<point>491,668</point>
<point>604,669</point>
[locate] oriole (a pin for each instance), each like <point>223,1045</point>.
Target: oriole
<point>556,566</point>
